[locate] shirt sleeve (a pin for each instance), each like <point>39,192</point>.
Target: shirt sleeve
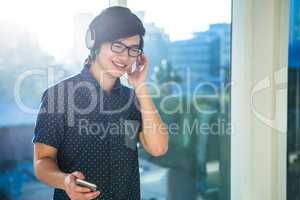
<point>49,126</point>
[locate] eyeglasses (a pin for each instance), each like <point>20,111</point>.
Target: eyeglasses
<point>119,47</point>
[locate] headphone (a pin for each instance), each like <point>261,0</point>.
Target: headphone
<point>90,38</point>
<point>90,42</point>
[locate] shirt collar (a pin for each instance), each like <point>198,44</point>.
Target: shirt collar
<point>87,76</point>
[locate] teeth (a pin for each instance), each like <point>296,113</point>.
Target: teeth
<point>119,64</point>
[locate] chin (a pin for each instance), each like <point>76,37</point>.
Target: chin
<point>116,74</point>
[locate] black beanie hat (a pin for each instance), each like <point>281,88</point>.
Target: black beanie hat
<point>114,23</point>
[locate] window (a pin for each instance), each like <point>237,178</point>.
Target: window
<point>38,39</point>
<point>293,163</point>
<point>189,47</point>
<point>188,43</point>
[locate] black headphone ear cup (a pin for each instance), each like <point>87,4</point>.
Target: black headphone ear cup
<point>90,38</point>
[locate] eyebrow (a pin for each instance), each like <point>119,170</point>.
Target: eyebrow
<point>134,45</point>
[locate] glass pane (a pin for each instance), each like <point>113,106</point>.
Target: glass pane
<point>37,39</point>
<point>188,44</point>
<point>293,163</point>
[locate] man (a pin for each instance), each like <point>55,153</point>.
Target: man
<point>89,124</point>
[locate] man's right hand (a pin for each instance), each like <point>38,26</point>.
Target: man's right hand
<point>76,192</point>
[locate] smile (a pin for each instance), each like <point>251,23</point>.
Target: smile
<point>119,65</point>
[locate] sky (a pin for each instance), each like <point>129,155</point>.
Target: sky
<point>51,21</point>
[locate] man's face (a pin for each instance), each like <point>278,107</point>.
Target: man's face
<point>117,64</point>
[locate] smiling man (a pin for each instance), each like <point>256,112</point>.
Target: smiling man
<point>89,124</point>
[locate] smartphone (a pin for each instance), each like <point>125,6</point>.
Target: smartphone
<point>139,63</point>
<point>83,183</point>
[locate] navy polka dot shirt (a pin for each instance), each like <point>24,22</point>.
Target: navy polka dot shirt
<point>95,132</point>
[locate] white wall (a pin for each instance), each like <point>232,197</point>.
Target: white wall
<point>258,142</point>
<point>117,2</point>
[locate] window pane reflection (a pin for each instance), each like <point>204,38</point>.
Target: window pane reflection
<point>293,146</point>
<point>37,39</point>
<point>190,82</point>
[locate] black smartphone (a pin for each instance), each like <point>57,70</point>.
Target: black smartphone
<point>83,183</point>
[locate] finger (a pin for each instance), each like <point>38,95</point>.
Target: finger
<point>91,195</point>
<point>78,175</point>
<point>78,195</point>
<point>80,189</point>
<point>76,188</point>
<point>129,69</point>
<point>75,196</point>
<point>132,74</point>
<point>138,60</point>
<point>143,67</point>
<point>144,59</point>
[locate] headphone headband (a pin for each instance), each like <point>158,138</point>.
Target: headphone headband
<point>113,23</point>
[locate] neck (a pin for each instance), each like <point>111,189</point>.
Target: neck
<point>105,80</point>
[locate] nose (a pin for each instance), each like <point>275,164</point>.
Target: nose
<point>124,54</point>
<point>124,57</point>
